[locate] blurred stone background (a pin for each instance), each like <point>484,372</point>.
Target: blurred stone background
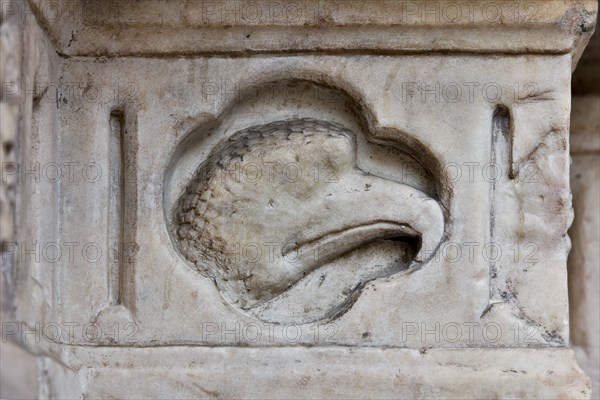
<point>584,259</point>
<point>18,367</point>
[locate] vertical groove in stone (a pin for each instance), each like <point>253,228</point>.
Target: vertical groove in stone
<point>116,206</point>
<point>501,163</point>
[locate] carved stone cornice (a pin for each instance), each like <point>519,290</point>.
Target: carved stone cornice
<point>188,28</point>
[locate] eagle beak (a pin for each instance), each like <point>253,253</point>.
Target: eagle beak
<point>360,209</point>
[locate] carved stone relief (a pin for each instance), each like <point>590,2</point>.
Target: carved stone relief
<point>329,234</point>
<point>290,222</point>
<point>268,183</point>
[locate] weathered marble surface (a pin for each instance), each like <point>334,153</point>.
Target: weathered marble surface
<point>322,373</point>
<point>432,109</point>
